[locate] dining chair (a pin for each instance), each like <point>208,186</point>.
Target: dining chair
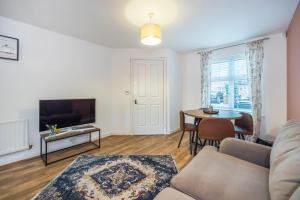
<point>244,125</point>
<point>192,128</point>
<point>214,130</point>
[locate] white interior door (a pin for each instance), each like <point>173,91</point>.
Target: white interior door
<point>148,96</point>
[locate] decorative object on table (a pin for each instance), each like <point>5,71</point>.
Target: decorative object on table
<point>53,130</point>
<point>112,177</point>
<point>9,48</point>
<point>210,110</point>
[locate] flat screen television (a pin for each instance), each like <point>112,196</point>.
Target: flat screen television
<point>66,113</point>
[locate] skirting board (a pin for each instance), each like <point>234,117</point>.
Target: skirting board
<point>174,131</point>
<point>36,153</point>
<point>31,153</point>
<point>132,134</point>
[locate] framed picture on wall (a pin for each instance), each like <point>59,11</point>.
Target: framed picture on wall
<point>9,48</point>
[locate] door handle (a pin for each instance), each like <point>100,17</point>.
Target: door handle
<point>135,101</point>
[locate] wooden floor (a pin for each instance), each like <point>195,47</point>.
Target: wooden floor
<point>23,179</point>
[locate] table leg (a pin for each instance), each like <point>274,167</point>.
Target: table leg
<point>99,138</point>
<point>41,146</point>
<point>190,141</point>
<point>46,154</point>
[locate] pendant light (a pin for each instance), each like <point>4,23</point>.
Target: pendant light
<point>150,33</point>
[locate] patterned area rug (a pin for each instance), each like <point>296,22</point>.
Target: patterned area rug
<point>112,177</point>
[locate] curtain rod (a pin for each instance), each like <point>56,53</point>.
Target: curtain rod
<point>232,45</point>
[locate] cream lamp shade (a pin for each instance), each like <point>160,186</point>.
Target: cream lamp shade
<point>150,33</point>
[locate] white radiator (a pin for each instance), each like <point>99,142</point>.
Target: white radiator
<point>13,136</point>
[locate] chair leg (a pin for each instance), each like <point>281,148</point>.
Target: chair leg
<point>180,139</point>
<point>204,143</point>
<point>193,136</point>
<point>216,143</point>
<point>196,145</point>
<point>200,142</point>
<point>192,133</point>
<point>242,136</point>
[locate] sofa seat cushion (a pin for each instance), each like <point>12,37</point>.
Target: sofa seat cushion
<point>285,162</point>
<point>172,194</point>
<point>213,175</point>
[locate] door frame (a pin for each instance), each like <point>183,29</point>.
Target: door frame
<point>164,60</point>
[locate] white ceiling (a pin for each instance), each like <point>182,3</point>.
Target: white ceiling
<point>190,24</point>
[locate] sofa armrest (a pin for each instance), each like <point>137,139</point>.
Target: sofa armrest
<point>251,152</point>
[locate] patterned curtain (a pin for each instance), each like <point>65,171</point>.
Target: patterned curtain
<point>254,59</point>
<point>205,78</point>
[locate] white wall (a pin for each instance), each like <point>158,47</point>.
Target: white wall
<point>274,82</point>
<point>121,114</point>
<point>191,80</point>
<point>51,66</point>
<point>174,94</point>
<point>55,66</point>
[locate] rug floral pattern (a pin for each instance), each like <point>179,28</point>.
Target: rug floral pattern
<point>139,177</point>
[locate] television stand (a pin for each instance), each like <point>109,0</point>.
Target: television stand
<point>64,135</point>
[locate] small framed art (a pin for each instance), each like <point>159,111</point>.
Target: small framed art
<point>9,48</point>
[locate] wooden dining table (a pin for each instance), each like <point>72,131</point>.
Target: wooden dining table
<point>223,114</point>
<point>199,114</point>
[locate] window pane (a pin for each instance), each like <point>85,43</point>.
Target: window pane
<point>229,87</point>
<point>242,99</point>
<point>240,69</point>
<point>219,70</point>
<point>219,94</point>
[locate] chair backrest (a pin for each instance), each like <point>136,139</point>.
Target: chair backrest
<point>246,122</point>
<point>216,129</point>
<point>182,120</point>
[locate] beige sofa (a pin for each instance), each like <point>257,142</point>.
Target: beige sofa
<point>242,170</point>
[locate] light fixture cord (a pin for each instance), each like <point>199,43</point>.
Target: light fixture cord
<point>151,15</point>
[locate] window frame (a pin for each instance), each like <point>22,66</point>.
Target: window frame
<point>231,78</point>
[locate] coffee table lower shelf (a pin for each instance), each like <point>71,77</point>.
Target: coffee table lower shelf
<point>45,155</point>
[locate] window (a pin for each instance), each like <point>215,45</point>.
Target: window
<point>229,86</point>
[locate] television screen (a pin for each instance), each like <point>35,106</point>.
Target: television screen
<point>66,113</point>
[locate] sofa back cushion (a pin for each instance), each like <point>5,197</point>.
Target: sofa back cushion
<point>296,194</point>
<point>284,176</point>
